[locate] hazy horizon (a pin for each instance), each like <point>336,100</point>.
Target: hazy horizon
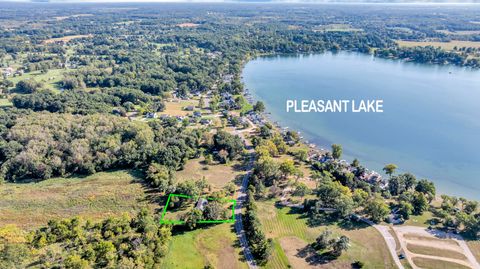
<point>259,1</point>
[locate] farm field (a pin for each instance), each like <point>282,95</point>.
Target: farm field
<point>213,245</point>
<point>291,234</point>
<point>444,45</point>
<point>98,196</point>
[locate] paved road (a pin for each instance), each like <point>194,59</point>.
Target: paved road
<point>241,197</point>
<point>389,239</point>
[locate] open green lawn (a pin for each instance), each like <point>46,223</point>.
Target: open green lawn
<point>31,205</point>
<point>50,79</point>
<point>291,233</point>
<point>421,220</point>
<point>214,245</point>
<point>5,102</point>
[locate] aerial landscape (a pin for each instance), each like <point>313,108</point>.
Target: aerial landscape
<point>239,135</point>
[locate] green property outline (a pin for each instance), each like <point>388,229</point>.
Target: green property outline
<point>230,220</point>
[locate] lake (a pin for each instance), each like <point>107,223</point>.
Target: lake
<point>430,124</point>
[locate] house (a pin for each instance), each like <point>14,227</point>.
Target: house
<point>197,114</point>
<point>205,121</point>
<point>201,203</point>
<point>151,115</point>
<point>7,72</point>
<point>189,108</point>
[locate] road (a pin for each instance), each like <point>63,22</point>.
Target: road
<point>389,239</point>
<point>241,197</point>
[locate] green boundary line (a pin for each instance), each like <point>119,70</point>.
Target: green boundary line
<point>163,221</point>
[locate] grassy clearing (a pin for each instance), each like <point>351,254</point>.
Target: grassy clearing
<point>444,45</point>
<point>177,108</point>
<point>437,264</point>
<point>434,240</point>
<point>101,195</point>
<point>214,245</point>
<point>49,79</point>
<point>421,220</point>
<point>475,248</point>
<point>435,252</point>
<point>459,32</point>
<point>218,175</point>
<point>366,244</point>
<point>5,102</point>
<point>337,28</point>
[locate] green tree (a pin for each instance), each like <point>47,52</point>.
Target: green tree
<point>390,169</point>
<point>259,107</point>
<point>337,151</point>
<point>377,209</point>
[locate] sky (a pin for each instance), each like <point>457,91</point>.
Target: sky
<point>268,1</point>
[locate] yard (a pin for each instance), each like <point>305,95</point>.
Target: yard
<point>214,245</point>
<point>291,235</point>
<point>218,175</point>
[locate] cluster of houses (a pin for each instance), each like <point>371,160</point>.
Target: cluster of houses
<point>9,71</point>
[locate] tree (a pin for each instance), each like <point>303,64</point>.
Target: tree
<point>390,169</point>
<point>426,187</point>
<point>419,203</point>
<point>259,107</point>
<point>342,244</point>
<point>28,86</point>
<point>214,211</point>
<point>192,218</point>
<point>301,190</point>
<point>287,168</point>
<point>405,209</point>
<point>377,209</point>
<point>323,241</point>
<point>337,151</point>
<point>160,176</point>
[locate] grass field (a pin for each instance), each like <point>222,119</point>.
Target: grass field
<point>435,252</point>
<point>421,220</point>
<point>31,205</point>
<point>5,102</point>
<point>475,248</point>
<point>218,175</point>
<point>214,245</point>
<point>444,45</point>
<point>50,79</point>
<point>289,228</point>
<point>177,108</point>
<point>437,264</point>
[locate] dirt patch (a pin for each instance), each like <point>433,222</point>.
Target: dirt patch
<point>65,39</point>
<point>188,25</point>
<point>433,251</point>
<point>436,264</point>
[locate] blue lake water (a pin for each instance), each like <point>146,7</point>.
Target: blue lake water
<point>431,120</point>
